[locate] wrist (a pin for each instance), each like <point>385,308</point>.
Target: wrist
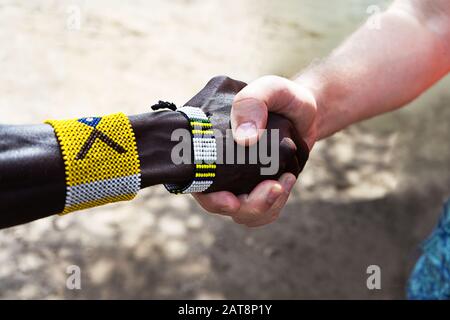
<point>153,138</point>
<point>317,88</point>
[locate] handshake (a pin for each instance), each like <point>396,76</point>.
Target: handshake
<point>253,156</point>
<point>259,153</point>
<point>255,140</point>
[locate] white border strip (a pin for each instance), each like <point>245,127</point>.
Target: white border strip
<point>98,190</point>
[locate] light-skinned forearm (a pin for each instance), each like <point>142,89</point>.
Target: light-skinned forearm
<point>377,70</point>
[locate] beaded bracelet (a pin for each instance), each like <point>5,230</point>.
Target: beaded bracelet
<point>100,158</point>
<point>205,154</point>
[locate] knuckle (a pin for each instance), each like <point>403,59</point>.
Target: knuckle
<point>278,206</point>
<point>274,216</point>
<point>218,79</point>
<point>211,207</point>
<point>255,212</point>
<point>271,78</point>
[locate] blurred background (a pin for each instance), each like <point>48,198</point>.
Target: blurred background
<point>369,195</point>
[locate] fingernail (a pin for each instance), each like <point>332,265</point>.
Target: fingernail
<point>288,183</point>
<point>246,130</point>
<point>273,194</point>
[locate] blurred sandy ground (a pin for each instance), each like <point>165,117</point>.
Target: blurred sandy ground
<point>369,195</point>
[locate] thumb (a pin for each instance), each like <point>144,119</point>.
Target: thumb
<point>248,115</point>
<point>275,94</point>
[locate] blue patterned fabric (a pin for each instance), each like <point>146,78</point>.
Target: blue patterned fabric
<point>430,278</point>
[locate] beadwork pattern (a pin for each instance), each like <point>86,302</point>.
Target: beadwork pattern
<point>101,160</point>
<point>205,154</point>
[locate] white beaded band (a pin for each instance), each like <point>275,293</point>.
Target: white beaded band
<point>205,153</point>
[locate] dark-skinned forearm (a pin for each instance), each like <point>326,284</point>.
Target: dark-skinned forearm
<point>32,175</point>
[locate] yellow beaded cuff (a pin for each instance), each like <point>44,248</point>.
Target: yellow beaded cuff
<point>100,158</point>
